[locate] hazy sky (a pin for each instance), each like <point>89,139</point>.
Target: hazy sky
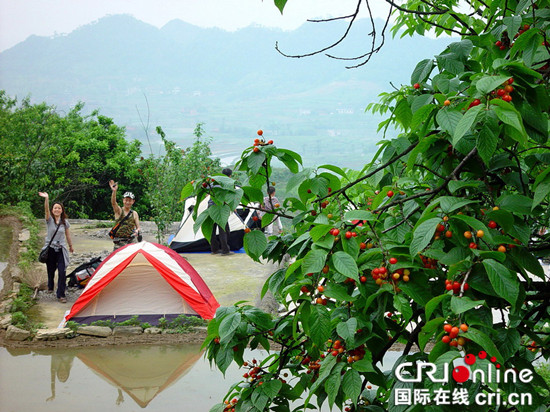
<point>21,18</point>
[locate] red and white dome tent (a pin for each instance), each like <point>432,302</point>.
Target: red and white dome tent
<point>147,280</point>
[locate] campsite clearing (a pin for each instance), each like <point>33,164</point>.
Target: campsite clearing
<point>230,278</point>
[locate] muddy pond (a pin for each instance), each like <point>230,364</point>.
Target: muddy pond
<point>132,378</point>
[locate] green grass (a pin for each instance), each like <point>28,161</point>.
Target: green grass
<point>182,324</point>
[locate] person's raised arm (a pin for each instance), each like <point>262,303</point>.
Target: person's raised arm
<point>46,204</point>
<point>116,207</point>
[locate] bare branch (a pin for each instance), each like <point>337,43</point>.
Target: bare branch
<point>297,56</point>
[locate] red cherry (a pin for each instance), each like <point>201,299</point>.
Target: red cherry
<point>390,193</point>
<point>348,234</point>
<point>393,261</point>
<point>492,224</point>
<point>260,132</point>
<point>416,86</point>
<point>469,359</point>
<point>335,232</point>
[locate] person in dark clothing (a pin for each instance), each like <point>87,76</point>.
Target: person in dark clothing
<point>220,243</point>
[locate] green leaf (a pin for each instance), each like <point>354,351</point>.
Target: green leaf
<point>428,331</point>
<point>224,359</point>
<point>513,23</point>
<point>365,364</point>
<point>422,115</point>
<point>466,123</point>
<point>228,326</point>
<point>449,203</point>
<point>359,215</point>
<point>334,169</point>
<point>487,141</point>
<point>338,292</point>
<point>351,385</point>
<point>422,71</point>
<point>402,304</point>
<point>186,191</point>
<point>526,260</point>
<point>346,330</point>
<point>508,115</point>
<point>271,388</point>
<point>421,101</point>
<point>345,265</point>
<point>448,119</point>
<point>314,261</point>
<point>319,231</point>
<point>255,243</point>
<point>403,113</point>
<point>476,225</point>
<point>423,235</point>
<point>280,4</point>
<point>487,84</point>
<point>319,325</point>
<point>219,214</point>
<point>508,341</point>
<point>455,185</point>
<point>332,384</point>
<point>463,304</point>
<point>255,161</point>
<point>259,399</point>
<point>518,204</point>
<point>433,304</point>
<point>504,282</point>
<point>485,342</point>
<point>541,192</point>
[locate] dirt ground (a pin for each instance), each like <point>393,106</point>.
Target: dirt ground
<point>231,278</point>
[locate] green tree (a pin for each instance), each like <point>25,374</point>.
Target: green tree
<point>441,230</point>
<point>71,156</point>
<point>166,175</point>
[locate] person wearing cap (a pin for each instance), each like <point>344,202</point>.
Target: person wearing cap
<point>126,218</point>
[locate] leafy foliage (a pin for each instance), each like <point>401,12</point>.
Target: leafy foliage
<point>442,228</point>
<point>166,175</point>
<point>73,156</point>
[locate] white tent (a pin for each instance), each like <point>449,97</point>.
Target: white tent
<point>186,240</point>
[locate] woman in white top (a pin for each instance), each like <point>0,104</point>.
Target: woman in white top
<point>58,255</point>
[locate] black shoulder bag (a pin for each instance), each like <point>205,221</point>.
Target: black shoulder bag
<point>112,232</point>
<point>43,256</point>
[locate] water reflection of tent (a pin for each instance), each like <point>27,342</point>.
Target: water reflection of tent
<point>142,373</point>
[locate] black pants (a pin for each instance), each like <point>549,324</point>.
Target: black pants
<point>223,242</point>
<point>56,261</point>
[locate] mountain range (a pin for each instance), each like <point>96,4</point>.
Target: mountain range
<point>233,82</point>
